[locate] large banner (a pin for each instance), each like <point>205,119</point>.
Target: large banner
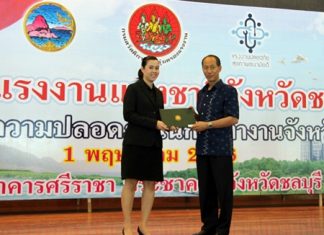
<point>65,66</point>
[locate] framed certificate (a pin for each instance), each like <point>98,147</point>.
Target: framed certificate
<point>180,117</point>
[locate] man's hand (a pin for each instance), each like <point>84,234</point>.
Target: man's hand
<point>200,126</point>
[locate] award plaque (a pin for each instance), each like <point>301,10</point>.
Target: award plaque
<point>180,117</point>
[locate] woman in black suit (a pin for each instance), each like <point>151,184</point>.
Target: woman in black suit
<point>142,144</point>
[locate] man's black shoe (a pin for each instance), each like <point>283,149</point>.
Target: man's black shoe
<point>204,232</point>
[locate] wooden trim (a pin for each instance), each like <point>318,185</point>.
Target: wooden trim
<point>113,204</point>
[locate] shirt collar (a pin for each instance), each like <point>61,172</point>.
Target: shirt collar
<point>216,86</point>
<point>147,86</point>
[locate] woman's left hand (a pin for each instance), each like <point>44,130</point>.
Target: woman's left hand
<point>174,128</point>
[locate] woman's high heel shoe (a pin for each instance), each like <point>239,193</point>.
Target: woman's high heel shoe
<point>139,231</point>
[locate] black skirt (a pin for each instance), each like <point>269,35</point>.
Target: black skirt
<point>142,163</point>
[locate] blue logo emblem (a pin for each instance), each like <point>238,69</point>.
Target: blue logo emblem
<point>250,33</point>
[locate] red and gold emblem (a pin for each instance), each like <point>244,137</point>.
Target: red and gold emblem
<point>154,30</point>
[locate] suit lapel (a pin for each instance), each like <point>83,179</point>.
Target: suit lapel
<point>146,91</point>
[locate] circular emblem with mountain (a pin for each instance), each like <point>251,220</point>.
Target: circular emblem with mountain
<point>154,30</point>
<point>49,26</point>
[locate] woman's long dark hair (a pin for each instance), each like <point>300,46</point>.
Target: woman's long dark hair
<point>144,63</point>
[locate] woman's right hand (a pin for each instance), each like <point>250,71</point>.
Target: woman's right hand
<point>161,126</point>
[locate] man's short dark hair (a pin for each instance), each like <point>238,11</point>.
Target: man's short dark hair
<point>218,62</point>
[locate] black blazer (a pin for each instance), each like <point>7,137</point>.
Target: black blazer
<point>141,112</point>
